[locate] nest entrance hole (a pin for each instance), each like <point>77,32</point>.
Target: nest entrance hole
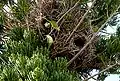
<point>79,41</point>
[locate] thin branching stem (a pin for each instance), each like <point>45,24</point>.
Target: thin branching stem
<point>101,71</point>
<point>68,11</point>
<point>95,34</point>
<point>80,21</point>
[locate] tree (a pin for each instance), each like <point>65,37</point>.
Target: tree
<point>27,59</point>
<point>79,23</point>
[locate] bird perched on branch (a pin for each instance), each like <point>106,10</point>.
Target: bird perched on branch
<point>49,40</point>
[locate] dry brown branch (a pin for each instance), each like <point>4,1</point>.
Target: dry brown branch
<point>81,21</point>
<point>68,11</point>
<point>101,71</point>
<point>85,46</point>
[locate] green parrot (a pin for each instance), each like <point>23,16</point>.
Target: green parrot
<point>49,40</point>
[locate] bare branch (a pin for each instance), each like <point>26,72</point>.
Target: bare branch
<point>91,39</point>
<point>68,11</point>
<point>81,21</point>
<point>101,71</point>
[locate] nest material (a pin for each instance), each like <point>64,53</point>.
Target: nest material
<point>53,10</point>
<point>87,59</point>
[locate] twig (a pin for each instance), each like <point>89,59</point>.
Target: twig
<point>39,6</point>
<point>81,21</point>
<point>101,71</point>
<point>96,19</point>
<point>91,38</point>
<point>91,26</point>
<point>68,11</point>
<point>92,77</point>
<point>27,23</point>
<point>106,33</point>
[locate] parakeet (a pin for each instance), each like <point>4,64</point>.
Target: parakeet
<point>49,40</point>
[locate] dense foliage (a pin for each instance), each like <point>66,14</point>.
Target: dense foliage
<point>108,51</point>
<point>29,22</point>
<point>28,60</point>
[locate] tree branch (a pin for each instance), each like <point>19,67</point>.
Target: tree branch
<point>101,71</point>
<point>91,38</point>
<point>68,11</point>
<point>81,21</point>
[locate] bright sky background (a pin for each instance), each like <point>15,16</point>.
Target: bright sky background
<point>112,77</point>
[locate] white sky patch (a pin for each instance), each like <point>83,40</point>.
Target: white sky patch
<point>118,15</point>
<point>111,29</point>
<point>6,8</point>
<point>113,77</point>
<point>93,73</point>
<point>89,4</point>
<point>15,1</point>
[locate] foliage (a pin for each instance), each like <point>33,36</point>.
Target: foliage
<point>109,47</point>
<point>108,51</point>
<point>27,60</point>
<point>21,9</point>
<point>2,17</point>
<point>22,41</point>
<point>25,44</point>
<point>102,10</point>
<point>1,40</point>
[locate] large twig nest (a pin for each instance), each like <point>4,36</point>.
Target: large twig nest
<point>78,40</point>
<point>87,59</point>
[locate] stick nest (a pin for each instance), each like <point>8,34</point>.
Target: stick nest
<point>87,59</point>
